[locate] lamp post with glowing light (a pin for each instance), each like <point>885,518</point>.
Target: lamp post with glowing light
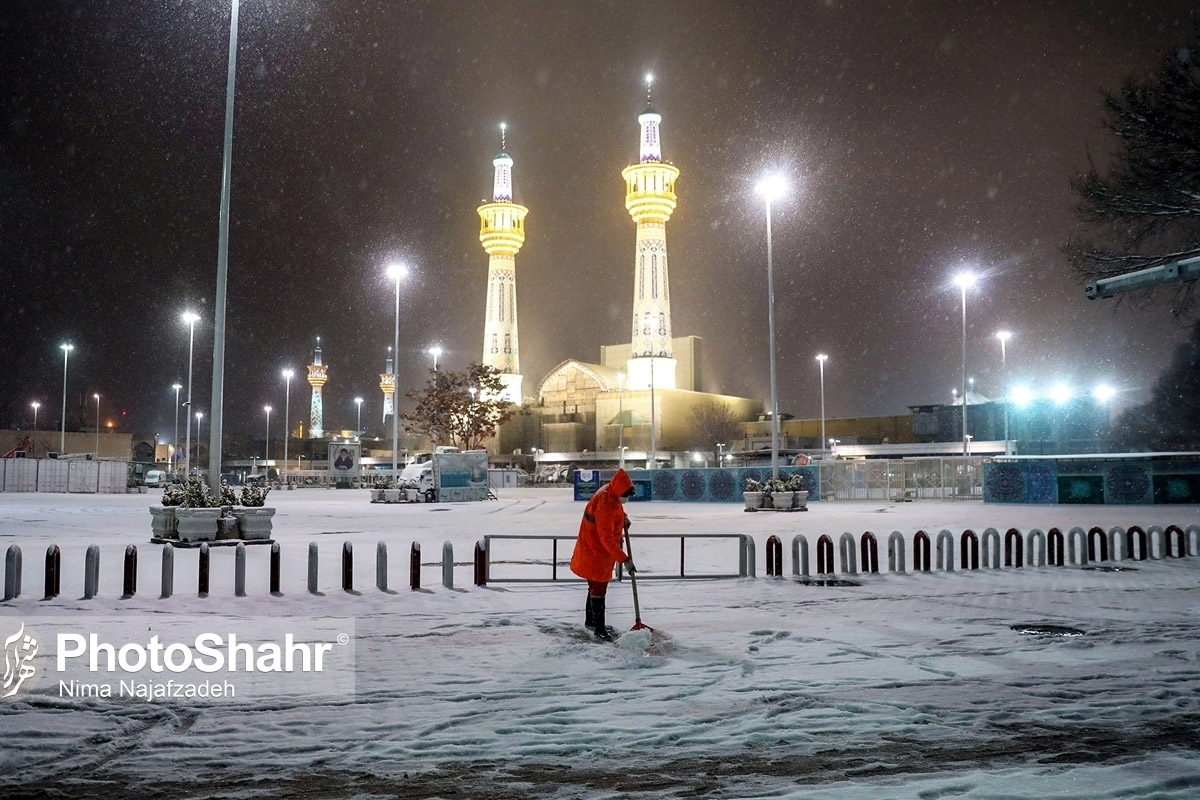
<point>435,352</point>
<point>396,272</point>
<point>1103,393</point>
<point>621,419</point>
<point>1004,336</point>
<point>190,318</point>
<point>770,188</point>
<point>287,407</point>
<point>267,446</point>
<point>62,441</point>
<point>36,405</point>
<point>199,417</point>
<point>964,281</point>
<point>175,441</point>
<point>97,396</point>
<point>821,359</point>
<point>358,401</point>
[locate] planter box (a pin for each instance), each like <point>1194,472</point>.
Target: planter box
<point>227,528</point>
<point>255,523</point>
<point>410,495</point>
<point>754,500</point>
<point>391,495</point>
<point>162,522</point>
<point>197,524</point>
<point>377,495</point>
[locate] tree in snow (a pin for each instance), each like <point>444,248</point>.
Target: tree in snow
<point>459,408</point>
<point>1145,211</point>
<point>1170,420</point>
<point>713,423</point>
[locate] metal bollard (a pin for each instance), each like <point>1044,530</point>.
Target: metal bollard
<point>12,572</point>
<point>480,564</point>
<point>347,567</point>
<point>91,572</point>
<point>312,567</point>
<point>275,569</point>
<point>168,571</point>
<point>414,567</point>
<point>204,569</point>
<point>448,565</point>
<point>239,570</point>
<point>129,582</point>
<point>774,557</point>
<point>381,567</point>
<point>53,570</point>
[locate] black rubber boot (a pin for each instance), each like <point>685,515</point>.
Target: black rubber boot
<point>588,621</point>
<point>598,619</point>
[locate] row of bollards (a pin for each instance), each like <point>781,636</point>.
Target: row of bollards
<point>13,568</point>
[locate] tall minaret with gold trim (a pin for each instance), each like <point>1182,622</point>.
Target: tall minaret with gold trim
<point>502,232</point>
<point>316,379</point>
<point>650,199</point>
<point>387,385</point>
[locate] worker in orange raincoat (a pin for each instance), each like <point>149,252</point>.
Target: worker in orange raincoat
<point>598,546</point>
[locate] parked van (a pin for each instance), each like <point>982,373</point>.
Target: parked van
<point>157,477</point>
<point>421,473</point>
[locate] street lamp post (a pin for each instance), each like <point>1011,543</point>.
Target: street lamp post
<point>36,405</point>
<point>1004,336</point>
<point>435,352</point>
<point>770,188</point>
<point>358,401</point>
<point>287,407</point>
<point>821,359</point>
<point>267,446</point>
<point>396,272</point>
<point>97,396</point>
<point>62,441</point>
<point>199,417</point>
<point>964,281</point>
<point>190,318</point>
<point>621,419</point>
<point>175,441</point>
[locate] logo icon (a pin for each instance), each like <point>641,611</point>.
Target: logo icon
<point>19,652</point>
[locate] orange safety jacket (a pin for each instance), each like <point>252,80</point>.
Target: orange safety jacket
<point>598,546</point>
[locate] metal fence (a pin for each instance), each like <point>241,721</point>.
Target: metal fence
<point>943,478</point>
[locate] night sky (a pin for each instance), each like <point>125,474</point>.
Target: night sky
<point>920,138</point>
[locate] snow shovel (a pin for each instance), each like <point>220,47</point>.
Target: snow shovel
<point>638,625</point>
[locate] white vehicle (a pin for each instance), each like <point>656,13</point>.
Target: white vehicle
<point>157,477</point>
<point>420,473</point>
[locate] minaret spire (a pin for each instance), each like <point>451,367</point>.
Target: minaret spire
<point>650,200</point>
<point>387,385</point>
<point>316,379</point>
<point>502,232</point>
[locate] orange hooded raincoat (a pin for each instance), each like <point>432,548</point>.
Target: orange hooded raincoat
<point>598,546</point>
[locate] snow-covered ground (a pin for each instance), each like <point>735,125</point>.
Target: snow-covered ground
<point>903,686</point>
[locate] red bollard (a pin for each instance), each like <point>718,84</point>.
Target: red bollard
<point>414,569</point>
<point>347,567</point>
<point>275,568</point>
<point>480,565</point>
<point>774,557</point>
<point>130,582</point>
<point>53,569</point>
<point>203,588</point>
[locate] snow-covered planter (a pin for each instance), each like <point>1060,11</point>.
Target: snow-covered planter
<point>377,495</point>
<point>162,522</point>
<point>754,500</point>
<point>255,523</point>
<point>197,524</point>
<point>411,494</point>
<point>391,495</point>
<point>227,525</point>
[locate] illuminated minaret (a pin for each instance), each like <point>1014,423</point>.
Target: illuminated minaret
<point>316,379</point>
<point>650,199</point>
<point>502,232</point>
<point>387,384</point>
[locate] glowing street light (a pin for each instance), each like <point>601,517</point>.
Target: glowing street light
<point>1061,394</point>
<point>821,359</point>
<point>964,281</point>
<point>189,319</point>
<point>199,417</point>
<point>358,401</point>
<point>97,396</point>
<point>62,441</point>
<point>36,405</point>
<point>1004,336</point>
<point>175,441</point>
<point>770,188</point>
<point>267,447</point>
<point>287,407</point>
<point>435,352</point>
<point>397,272</point>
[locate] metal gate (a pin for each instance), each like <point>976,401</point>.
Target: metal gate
<point>943,478</point>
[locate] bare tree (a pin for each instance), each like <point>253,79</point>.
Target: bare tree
<point>449,412</point>
<point>712,424</point>
<point>1146,210</point>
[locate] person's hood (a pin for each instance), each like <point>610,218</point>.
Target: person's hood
<point>621,483</point>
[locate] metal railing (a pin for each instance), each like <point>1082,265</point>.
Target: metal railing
<point>941,478</point>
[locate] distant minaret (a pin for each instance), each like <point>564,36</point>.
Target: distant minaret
<point>502,232</point>
<point>316,379</point>
<point>387,384</point>
<point>650,199</point>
